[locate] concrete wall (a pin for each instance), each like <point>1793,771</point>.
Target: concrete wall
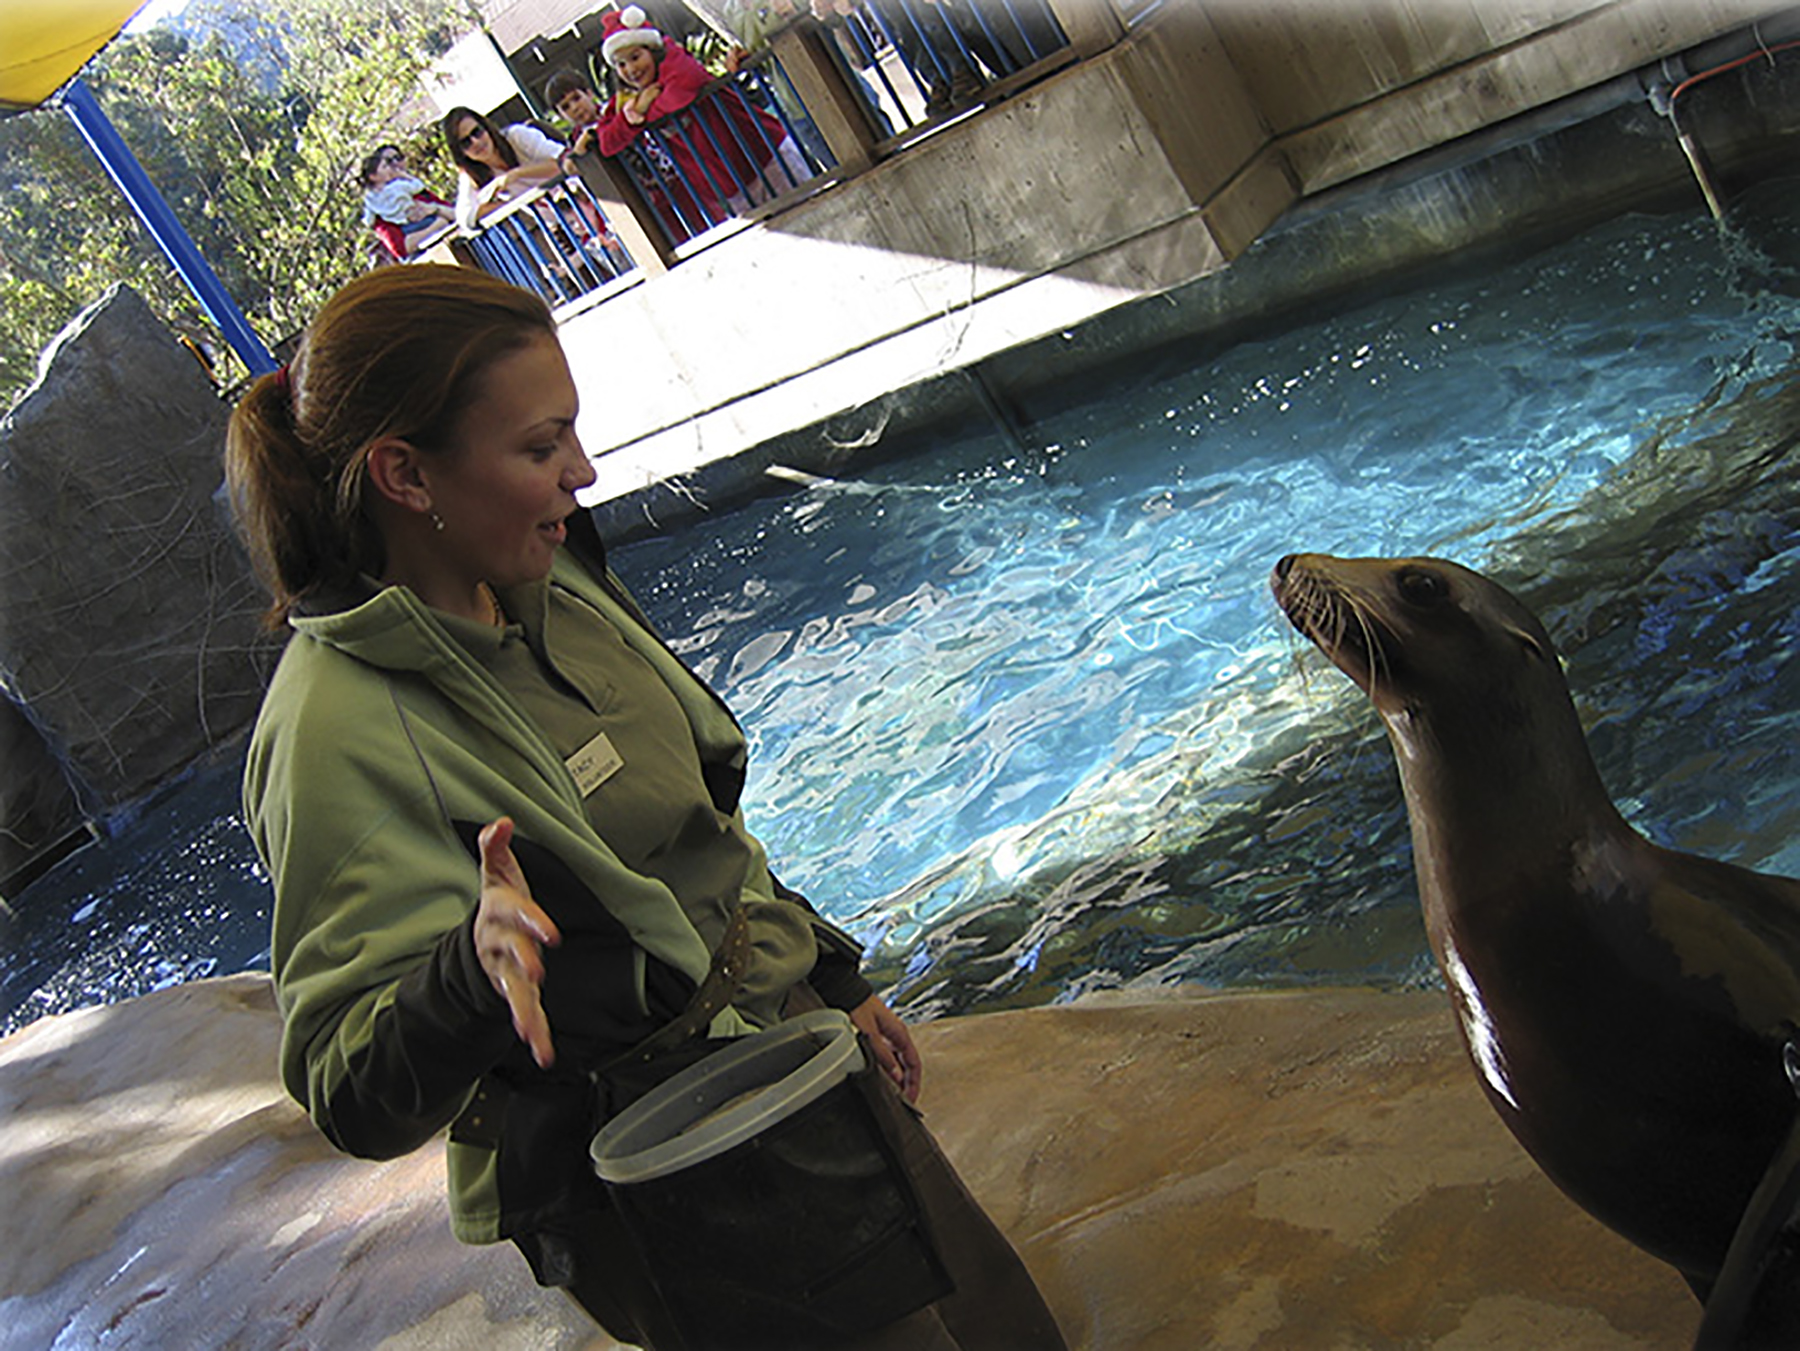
<point>1138,171</point>
<point>1113,179</point>
<point>1348,89</point>
<point>1306,63</point>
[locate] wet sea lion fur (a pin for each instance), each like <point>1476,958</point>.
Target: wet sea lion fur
<point>1630,1010</point>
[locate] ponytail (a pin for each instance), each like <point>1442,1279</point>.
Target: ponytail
<point>284,500</point>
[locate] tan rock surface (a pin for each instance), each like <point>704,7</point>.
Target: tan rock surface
<point>1285,1171</point>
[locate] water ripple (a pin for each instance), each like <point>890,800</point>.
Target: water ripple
<point>1028,723</point>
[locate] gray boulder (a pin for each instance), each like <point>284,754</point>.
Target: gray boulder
<point>37,804</point>
<point>128,619</point>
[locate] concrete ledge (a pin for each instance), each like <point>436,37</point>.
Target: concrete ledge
<point>1118,177</point>
<point>1129,185</point>
<point>1013,312</point>
<point>1303,1170</point>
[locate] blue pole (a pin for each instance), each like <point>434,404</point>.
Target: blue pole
<point>98,131</point>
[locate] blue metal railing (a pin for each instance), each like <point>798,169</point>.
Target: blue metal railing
<point>749,138</point>
<point>914,60</point>
<point>746,140</point>
<point>555,241</point>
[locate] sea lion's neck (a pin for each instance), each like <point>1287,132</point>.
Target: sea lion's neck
<point>1471,783</point>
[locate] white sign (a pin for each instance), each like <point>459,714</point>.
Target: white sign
<point>470,75</point>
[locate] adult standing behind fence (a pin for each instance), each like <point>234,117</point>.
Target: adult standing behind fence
<point>752,23</point>
<point>496,165</point>
<point>501,819</point>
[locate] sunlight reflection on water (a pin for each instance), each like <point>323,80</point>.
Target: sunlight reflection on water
<point>1029,723</point>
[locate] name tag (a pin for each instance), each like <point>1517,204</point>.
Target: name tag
<point>594,764</point>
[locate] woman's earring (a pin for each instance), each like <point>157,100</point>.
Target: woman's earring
<point>437,521</point>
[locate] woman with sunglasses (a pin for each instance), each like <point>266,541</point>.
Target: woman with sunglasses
<point>496,165</point>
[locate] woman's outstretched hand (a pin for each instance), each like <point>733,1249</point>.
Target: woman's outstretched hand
<point>893,1044</point>
<point>511,933</point>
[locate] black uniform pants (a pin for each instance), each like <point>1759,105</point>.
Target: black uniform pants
<point>995,1305</point>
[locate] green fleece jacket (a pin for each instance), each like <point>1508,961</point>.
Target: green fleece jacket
<point>381,749</point>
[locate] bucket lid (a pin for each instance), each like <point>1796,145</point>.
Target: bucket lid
<point>715,1105</point>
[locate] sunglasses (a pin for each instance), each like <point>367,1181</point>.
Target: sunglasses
<point>466,141</point>
<point>390,158</point>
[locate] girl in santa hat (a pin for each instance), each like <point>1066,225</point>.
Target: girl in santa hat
<point>725,154</point>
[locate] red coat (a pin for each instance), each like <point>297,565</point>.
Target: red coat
<point>393,237</point>
<point>721,144</point>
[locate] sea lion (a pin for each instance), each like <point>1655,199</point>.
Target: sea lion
<point>1629,1010</point>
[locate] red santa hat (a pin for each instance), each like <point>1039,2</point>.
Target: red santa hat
<point>624,29</point>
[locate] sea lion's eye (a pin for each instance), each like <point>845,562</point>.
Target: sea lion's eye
<point>1421,588</point>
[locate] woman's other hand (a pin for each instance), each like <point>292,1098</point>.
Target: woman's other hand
<point>511,933</point>
<point>894,1049</point>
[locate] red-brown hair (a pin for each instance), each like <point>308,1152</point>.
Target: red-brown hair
<point>397,353</point>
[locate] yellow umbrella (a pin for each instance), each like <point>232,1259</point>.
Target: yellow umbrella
<point>43,46</point>
<point>45,43</point>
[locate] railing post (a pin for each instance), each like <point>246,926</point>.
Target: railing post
<point>803,50</point>
<point>1091,25</point>
<point>626,211</point>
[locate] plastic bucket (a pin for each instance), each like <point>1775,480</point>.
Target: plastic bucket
<point>716,1105</point>
<point>763,1193</point>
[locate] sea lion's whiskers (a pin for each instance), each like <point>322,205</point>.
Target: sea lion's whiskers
<point>1353,619</point>
<point>1368,620</point>
<point>1314,614</point>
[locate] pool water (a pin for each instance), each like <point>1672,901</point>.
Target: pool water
<point>1026,721</point>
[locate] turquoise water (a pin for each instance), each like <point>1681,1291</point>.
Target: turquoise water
<point>1032,726</point>
<point>1027,721</point>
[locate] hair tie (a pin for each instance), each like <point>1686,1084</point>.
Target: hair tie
<point>284,382</point>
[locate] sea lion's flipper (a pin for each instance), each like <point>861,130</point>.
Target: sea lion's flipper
<point>1755,1301</point>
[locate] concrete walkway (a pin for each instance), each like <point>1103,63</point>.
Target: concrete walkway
<point>1283,1171</point>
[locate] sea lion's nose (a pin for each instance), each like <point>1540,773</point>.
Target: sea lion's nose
<point>1282,566</point>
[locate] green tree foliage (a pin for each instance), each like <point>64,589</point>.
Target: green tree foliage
<point>252,132</point>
